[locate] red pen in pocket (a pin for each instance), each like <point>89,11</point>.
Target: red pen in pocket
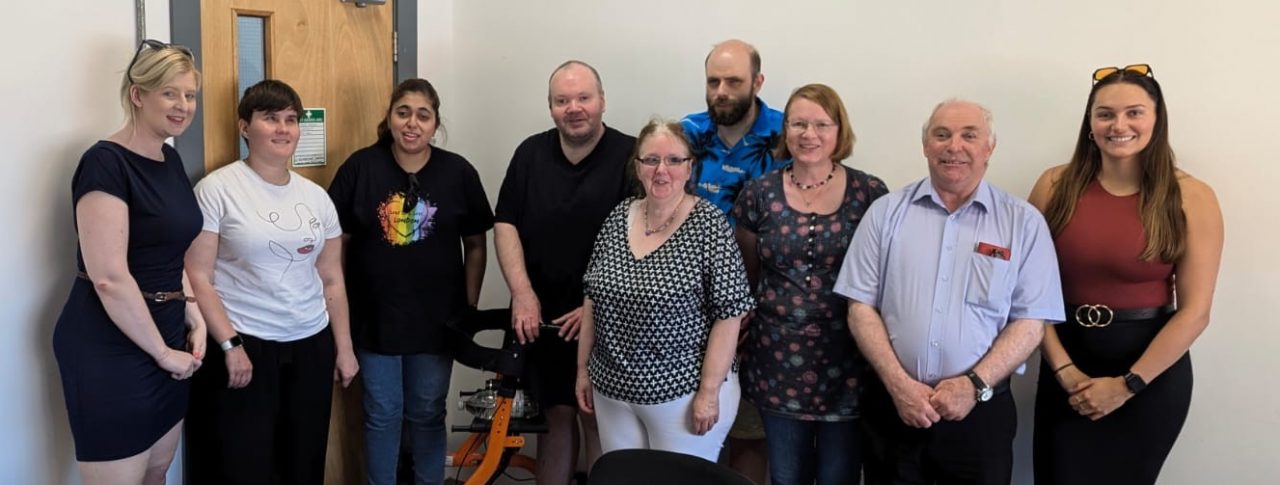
<point>988,249</point>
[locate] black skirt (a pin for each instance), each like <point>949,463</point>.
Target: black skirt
<point>1128,446</point>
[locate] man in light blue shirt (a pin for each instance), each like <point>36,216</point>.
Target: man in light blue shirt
<point>951,282</point>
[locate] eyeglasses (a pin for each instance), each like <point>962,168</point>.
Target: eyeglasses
<point>653,161</point>
<point>800,126</point>
<point>1139,69</point>
<point>157,45</point>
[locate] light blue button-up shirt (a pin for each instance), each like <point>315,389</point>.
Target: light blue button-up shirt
<point>943,303</point>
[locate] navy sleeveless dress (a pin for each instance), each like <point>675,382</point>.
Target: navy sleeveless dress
<point>119,402</point>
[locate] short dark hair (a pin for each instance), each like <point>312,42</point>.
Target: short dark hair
<point>269,96</point>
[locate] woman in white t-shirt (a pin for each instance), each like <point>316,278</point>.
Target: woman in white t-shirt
<point>267,272</point>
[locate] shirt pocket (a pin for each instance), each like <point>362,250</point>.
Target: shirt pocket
<point>988,283</point>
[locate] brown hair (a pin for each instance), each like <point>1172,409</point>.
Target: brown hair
<point>653,128</point>
<point>268,96</point>
<point>1159,196</point>
<point>823,96</point>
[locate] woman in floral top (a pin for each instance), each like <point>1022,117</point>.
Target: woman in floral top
<point>794,226</point>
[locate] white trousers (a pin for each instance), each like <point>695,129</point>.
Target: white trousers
<point>666,426</point>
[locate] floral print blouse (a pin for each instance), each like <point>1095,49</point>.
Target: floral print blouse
<point>800,359</point>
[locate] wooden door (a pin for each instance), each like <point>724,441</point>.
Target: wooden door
<point>338,57</point>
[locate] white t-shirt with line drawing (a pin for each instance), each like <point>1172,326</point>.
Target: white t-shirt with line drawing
<point>269,237</point>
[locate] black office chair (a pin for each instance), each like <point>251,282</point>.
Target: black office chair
<point>648,467</point>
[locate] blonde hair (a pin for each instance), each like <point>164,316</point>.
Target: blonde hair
<point>152,69</point>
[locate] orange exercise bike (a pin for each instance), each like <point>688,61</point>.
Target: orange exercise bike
<point>502,411</point>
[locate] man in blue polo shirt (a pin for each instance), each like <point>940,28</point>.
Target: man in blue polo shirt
<point>734,138</point>
<point>733,141</point>
<point>951,282</point>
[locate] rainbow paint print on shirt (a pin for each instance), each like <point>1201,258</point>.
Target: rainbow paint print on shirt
<point>402,225</point>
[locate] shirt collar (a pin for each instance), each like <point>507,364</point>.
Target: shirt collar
<point>982,196</point>
<point>767,122</point>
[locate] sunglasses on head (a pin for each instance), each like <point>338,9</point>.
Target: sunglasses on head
<point>156,45</point>
<point>1138,69</point>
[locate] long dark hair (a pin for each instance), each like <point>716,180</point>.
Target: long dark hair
<point>413,85</point>
<point>1160,196</point>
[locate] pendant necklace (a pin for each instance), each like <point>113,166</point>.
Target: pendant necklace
<point>663,227</point>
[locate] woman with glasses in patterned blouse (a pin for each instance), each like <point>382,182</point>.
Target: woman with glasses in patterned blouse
<point>665,291</point>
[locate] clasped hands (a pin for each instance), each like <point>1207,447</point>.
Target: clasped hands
<point>1093,397</point>
<point>921,406</point>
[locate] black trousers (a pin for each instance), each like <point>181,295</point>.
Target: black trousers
<point>1128,446</point>
<point>273,431</point>
<point>975,450</point>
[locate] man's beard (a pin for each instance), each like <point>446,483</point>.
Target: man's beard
<point>737,111</point>
<point>578,140</point>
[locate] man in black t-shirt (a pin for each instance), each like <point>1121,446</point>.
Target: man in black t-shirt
<point>559,188</point>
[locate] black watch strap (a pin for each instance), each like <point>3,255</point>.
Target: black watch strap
<point>231,343</point>
<point>982,392</point>
<point>1134,382</point>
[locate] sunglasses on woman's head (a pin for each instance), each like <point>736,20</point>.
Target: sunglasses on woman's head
<point>156,45</point>
<point>1139,69</point>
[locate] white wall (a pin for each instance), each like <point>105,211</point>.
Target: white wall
<point>892,61</point>
<point>1030,63</point>
<point>63,62</point>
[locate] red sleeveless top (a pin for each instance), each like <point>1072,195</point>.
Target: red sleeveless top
<point>1098,255</point>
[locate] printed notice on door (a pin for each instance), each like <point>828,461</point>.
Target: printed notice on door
<point>313,139</point>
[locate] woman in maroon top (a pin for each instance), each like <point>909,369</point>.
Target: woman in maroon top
<point>1134,235</point>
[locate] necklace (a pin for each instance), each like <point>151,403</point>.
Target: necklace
<point>801,186</point>
<point>663,227</point>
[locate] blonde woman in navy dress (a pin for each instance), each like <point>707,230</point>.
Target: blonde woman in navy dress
<point>127,339</point>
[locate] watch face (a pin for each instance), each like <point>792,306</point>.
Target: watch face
<point>985,395</point>
<point>1134,383</point>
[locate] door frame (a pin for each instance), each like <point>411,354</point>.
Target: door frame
<point>184,28</point>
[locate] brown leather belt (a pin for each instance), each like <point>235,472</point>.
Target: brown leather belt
<point>156,297</point>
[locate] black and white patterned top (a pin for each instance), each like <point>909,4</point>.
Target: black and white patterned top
<point>653,315</point>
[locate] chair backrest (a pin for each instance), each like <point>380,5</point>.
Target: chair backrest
<point>648,467</point>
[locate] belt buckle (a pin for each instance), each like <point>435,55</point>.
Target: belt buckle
<point>1094,316</point>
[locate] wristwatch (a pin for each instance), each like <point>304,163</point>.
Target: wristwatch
<point>982,392</point>
<point>1134,382</point>
<point>231,343</point>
